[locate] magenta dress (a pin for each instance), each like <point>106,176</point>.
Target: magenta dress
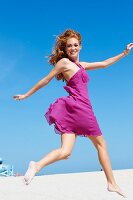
<point>74,113</point>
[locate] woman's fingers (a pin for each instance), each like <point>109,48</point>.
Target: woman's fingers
<point>18,97</point>
<point>130,46</point>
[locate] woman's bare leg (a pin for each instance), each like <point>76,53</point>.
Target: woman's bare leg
<point>67,144</point>
<point>100,145</point>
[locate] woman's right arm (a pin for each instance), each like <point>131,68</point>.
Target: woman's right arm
<point>58,68</point>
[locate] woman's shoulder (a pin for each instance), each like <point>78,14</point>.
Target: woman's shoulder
<point>62,64</point>
<point>64,61</point>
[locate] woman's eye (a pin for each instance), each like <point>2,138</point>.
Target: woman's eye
<point>71,45</point>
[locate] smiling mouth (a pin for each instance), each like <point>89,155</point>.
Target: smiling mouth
<point>73,52</point>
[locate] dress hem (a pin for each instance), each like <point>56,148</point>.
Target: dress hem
<point>60,130</point>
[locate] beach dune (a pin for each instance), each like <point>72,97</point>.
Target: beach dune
<point>72,186</point>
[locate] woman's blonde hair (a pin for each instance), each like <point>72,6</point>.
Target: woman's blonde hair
<point>59,48</point>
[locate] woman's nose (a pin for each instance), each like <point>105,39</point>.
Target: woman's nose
<point>73,47</point>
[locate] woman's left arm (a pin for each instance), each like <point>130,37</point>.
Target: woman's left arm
<point>109,61</point>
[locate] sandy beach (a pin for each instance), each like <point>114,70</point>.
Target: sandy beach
<point>72,186</point>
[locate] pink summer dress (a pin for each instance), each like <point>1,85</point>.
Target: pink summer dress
<point>74,113</point>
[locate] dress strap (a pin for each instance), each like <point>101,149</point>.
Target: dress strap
<point>79,65</point>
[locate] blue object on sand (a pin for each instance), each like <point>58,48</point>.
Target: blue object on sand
<point>1,161</point>
<point>5,169</point>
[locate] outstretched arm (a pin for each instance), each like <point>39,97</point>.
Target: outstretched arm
<point>58,68</point>
<point>109,61</point>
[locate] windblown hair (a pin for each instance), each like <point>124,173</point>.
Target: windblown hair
<point>59,48</point>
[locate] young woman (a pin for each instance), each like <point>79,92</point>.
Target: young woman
<point>73,115</point>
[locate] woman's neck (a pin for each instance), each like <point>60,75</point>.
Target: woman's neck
<point>74,60</point>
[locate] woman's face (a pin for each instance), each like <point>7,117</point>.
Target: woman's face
<point>73,48</point>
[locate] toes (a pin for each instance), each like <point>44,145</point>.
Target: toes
<point>117,190</point>
<point>121,193</point>
<point>30,173</point>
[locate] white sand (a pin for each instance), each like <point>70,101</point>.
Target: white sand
<point>72,186</point>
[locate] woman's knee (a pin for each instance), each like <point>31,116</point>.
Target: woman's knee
<point>65,154</point>
<point>99,142</point>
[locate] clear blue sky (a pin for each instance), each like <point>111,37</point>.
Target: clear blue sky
<point>27,30</point>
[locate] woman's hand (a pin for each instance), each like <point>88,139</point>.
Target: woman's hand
<point>128,48</point>
<point>19,97</point>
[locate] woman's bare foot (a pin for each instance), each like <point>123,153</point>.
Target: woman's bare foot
<point>115,188</point>
<point>31,172</point>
